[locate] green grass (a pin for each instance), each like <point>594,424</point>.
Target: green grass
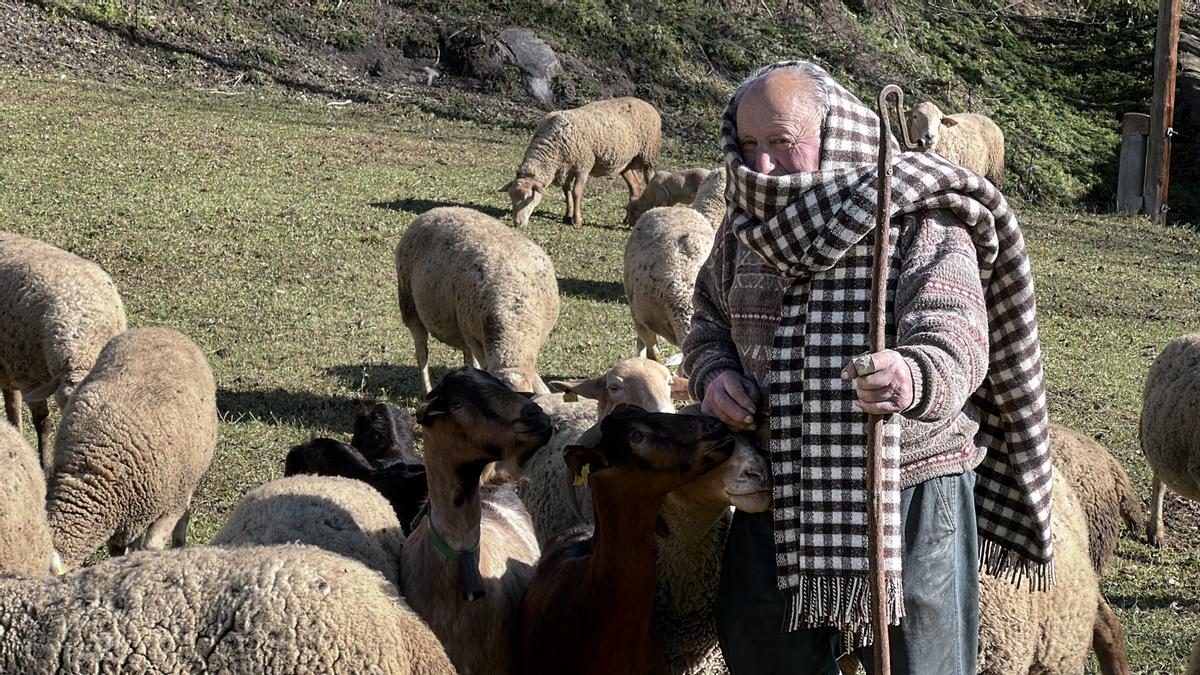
<point>263,227</point>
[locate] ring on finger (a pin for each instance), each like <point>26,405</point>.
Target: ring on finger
<point>864,364</point>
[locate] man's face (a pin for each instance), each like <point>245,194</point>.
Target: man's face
<point>778,126</point>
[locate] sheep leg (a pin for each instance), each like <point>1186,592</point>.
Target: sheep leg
<point>630,176</point>
<point>568,188</point>
<point>1155,533</point>
<point>40,412</point>
<point>1108,641</point>
<point>647,343</point>
<point>117,548</point>
<point>420,338</point>
<point>162,532</point>
<point>577,200</point>
<point>12,407</point>
<point>179,534</point>
<point>469,358</point>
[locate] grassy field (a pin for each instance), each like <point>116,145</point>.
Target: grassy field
<point>263,228</point>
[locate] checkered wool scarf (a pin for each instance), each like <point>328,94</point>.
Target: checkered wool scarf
<point>813,227</point>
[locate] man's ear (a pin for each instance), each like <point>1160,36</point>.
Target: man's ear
<point>582,460</point>
<point>508,186</point>
<point>949,121</point>
<point>593,388</point>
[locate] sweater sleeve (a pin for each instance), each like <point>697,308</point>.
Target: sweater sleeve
<point>941,315</point>
<point>708,349</point>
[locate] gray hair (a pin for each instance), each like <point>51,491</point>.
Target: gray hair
<point>810,72</point>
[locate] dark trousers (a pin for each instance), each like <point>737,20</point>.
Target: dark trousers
<point>940,629</point>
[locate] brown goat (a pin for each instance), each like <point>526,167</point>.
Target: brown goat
<point>465,566</point>
<point>589,608</point>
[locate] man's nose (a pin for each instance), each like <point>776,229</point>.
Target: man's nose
<point>763,162</point>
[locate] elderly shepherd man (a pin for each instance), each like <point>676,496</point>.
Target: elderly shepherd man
<point>781,314</point>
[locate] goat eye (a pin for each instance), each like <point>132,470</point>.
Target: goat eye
<point>614,387</point>
<point>635,437</point>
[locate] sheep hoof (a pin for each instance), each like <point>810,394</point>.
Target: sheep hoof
<point>567,220</point>
<point>1154,539</point>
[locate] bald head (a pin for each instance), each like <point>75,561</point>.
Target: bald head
<point>779,117</point>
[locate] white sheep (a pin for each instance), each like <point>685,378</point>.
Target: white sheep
<point>620,135</point>
<point>697,518</point>
<point>480,287</point>
<point>25,546</point>
<point>556,505</point>
<point>56,311</point>
<point>710,197</point>
<point>1170,427</point>
<point>663,255</point>
<point>135,439</point>
<point>341,515</point>
<point>1047,632</point>
<point>967,139</point>
<point>268,610</point>
<point>666,188</point>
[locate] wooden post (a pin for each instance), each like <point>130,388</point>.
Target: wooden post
<point>1162,110</point>
<point>1132,172</point>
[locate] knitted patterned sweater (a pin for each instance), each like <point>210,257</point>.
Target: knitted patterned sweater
<point>935,303</point>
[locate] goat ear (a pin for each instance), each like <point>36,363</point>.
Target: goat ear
<point>949,121</point>
<point>579,456</point>
<point>430,409</point>
<point>593,388</point>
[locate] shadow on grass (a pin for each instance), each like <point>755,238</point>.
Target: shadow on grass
<point>1150,601</point>
<point>419,206</point>
<point>589,289</point>
<point>279,407</point>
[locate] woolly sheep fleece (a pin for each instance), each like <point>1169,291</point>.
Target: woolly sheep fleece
<point>1170,425</point>
<point>250,611</point>
<point>663,255</point>
<point>1102,487</point>
<point>710,198</point>
<point>341,515</point>
<point>24,535</point>
<point>1048,633</point>
<point>135,440</point>
<point>57,311</point>
<point>480,287</point>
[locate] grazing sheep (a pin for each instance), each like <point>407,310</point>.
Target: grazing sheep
<point>1103,489</point>
<point>25,546</point>
<point>591,601</point>
<point>403,485</point>
<point>710,198</point>
<point>621,135</point>
<point>268,610</point>
<point>663,255</point>
<point>1047,632</point>
<point>969,140</point>
<point>135,439</point>
<point>480,287</point>
<point>340,515</point>
<point>697,518</point>
<point>666,188</point>
<point>384,434</point>
<point>1170,427</point>
<point>554,503</point>
<point>56,311</point>
<point>467,563</point>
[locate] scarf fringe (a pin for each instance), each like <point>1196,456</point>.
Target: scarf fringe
<point>841,602</point>
<point>1009,565</point>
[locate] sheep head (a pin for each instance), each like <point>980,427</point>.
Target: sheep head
<point>648,454</point>
<point>522,380</point>
<point>924,123</point>
<point>525,194</point>
<point>637,381</point>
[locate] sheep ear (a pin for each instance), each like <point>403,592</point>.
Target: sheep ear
<point>537,187</point>
<point>949,121</point>
<point>43,391</point>
<point>507,186</point>
<point>592,388</point>
<point>579,457</point>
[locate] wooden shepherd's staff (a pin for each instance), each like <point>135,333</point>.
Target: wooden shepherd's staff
<point>875,552</point>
